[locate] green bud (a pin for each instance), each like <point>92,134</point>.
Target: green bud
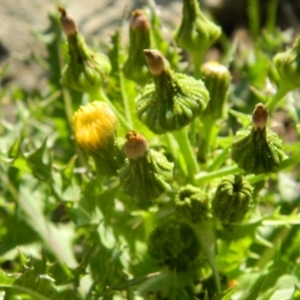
<point>173,243</point>
<point>146,173</point>
<point>135,67</point>
<point>288,65</point>
<point>217,80</point>
<point>86,70</point>
<point>173,100</point>
<point>257,149</point>
<point>195,33</point>
<point>232,199</point>
<point>192,204</point>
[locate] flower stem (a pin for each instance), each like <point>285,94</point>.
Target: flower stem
<point>281,92</point>
<point>206,237</point>
<point>187,151</point>
<point>203,178</point>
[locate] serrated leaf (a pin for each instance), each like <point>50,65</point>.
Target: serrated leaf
<point>57,239</point>
<point>35,160</point>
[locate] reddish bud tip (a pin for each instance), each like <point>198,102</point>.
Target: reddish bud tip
<point>260,116</point>
<point>139,20</point>
<point>155,61</point>
<point>135,146</point>
<point>67,22</point>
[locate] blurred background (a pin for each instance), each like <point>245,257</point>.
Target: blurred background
<point>22,19</point>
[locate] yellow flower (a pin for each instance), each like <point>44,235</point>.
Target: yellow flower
<point>94,126</point>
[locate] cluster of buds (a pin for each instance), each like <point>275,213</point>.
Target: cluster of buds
<point>232,199</point>
<point>192,204</point>
<point>195,33</point>
<point>86,70</point>
<point>95,126</point>
<point>135,67</point>
<point>174,243</point>
<point>257,149</point>
<point>173,100</point>
<point>146,173</point>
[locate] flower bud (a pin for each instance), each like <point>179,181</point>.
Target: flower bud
<point>146,173</point>
<point>195,33</point>
<point>95,126</point>
<point>257,149</point>
<point>173,243</point>
<point>68,23</point>
<point>86,70</point>
<point>192,204</point>
<point>288,65</point>
<point>173,100</point>
<point>232,199</point>
<point>216,78</point>
<point>135,67</point>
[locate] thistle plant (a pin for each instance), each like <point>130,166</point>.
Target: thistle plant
<point>153,182</point>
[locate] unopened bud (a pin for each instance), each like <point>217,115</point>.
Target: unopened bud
<point>232,199</point>
<point>173,100</point>
<point>67,21</point>
<point>139,21</point>
<point>195,33</point>
<point>192,204</point>
<point>155,61</point>
<point>174,243</point>
<point>217,80</point>
<point>260,116</point>
<point>136,145</point>
<point>257,149</point>
<point>135,67</point>
<point>146,174</point>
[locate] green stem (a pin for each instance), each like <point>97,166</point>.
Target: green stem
<point>254,17</point>
<point>205,233</point>
<point>268,254</point>
<point>203,178</point>
<point>126,105</point>
<point>187,152</point>
<point>68,105</point>
<point>281,92</point>
<point>198,58</point>
<point>100,95</point>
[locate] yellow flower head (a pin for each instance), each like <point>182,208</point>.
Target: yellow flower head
<point>94,126</point>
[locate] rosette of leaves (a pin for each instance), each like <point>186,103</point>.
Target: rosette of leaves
<point>86,69</point>
<point>173,100</point>
<point>174,244</point>
<point>232,199</point>
<point>257,149</point>
<point>146,174</point>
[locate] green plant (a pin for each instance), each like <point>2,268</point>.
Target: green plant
<point>158,186</point>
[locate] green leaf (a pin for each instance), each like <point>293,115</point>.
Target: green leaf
<point>35,160</point>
